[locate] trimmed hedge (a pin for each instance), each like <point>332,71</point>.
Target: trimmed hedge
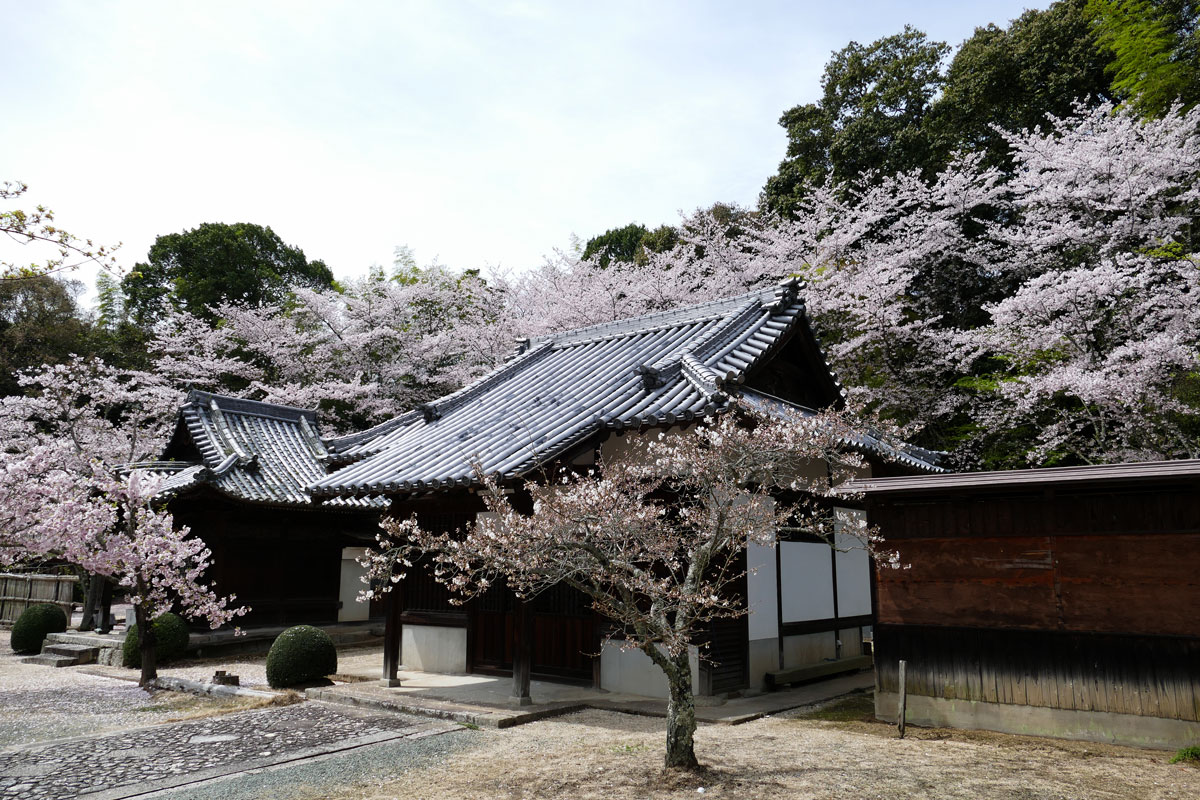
<point>30,629</point>
<point>171,640</point>
<point>300,655</point>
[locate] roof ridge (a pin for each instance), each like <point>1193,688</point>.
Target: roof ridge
<point>677,316</point>
<point>430,411</point>
<point>230,404</point>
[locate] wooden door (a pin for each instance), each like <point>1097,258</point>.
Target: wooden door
<point>565,638</point>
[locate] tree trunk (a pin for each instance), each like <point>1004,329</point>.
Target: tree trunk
<point>90,599</point>
<point>147,646</point>
<point>681,715</point>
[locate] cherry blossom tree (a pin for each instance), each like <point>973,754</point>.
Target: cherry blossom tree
<point>1046,315</point>
<point>161,565</point>
<point>60,498</point>
<point>1096,351</point>
<point>361,355</point>
<point>652,537</point>
<point>56,248</point>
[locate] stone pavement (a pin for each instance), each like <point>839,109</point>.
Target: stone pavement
<point>137,762</point>
<point>484,701</point>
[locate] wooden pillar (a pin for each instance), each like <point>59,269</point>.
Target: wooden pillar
<point>391,634</point>
<point>522,652</point>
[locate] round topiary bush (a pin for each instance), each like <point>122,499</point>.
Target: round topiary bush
<point>35,622</point>
<point>300,655</point>
<point>171,639</point>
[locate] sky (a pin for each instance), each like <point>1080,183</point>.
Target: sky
<point>480,134</point>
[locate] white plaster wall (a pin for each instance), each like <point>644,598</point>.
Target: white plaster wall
<point>807,581</point>
<point>434,648</point>
<point>764,658</point>
<point>853,570</point>
<point>632,672</point>
<point>808,648</point>
<point>761,591</point>
<point>351,584</point>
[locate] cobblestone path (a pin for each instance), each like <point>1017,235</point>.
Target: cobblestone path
<point>128,763</point>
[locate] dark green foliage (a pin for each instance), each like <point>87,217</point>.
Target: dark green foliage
<point>30,629</point>
<point>171,639</point>
<point>878,110</point>
<point>39,324</point>
<point>630,244</point>
<point>870,116</point>
<point>218,263</point>
<point>1155,45</point>
<point>616,244</point>
<point>300,655</point>
<point>1013,77</point>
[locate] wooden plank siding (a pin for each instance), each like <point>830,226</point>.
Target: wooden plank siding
<point>1069,597</point>
<point>1142,675</point>
<point>284,563</point>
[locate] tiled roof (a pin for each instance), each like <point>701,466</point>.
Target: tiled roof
<point>871,441</point>
<point>253,451</point>
<point>562,389</point>
<point>1008,480</point>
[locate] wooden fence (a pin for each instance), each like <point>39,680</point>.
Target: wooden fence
<point>18,592</point>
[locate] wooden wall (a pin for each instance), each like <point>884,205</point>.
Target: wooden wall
<point>1106,562</point>
<point>1083,598</point>
<point>1154,676</point>
<point>284,563</point>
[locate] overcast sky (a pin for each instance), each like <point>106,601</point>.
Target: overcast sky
<point>480,133</point>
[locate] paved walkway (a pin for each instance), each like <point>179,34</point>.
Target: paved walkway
<point>485,701</point>
<point>133,763</point>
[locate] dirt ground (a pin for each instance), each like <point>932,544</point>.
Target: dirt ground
<point>834,752</point>
<point>597,754</point>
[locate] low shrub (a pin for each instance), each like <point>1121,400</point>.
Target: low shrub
<point>1187,755</point>
<point>300,655</point>
<point>171,639</point>
<point>35,622</point>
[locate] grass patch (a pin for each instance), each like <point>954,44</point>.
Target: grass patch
<point>856,707</point>
<point>1187,755</point>
<point>629,749</point>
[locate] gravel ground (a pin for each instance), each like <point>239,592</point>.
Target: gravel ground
<point>328,776</point>
<point>251,670</point>
<point>598,754</point>
<point>40,703</point>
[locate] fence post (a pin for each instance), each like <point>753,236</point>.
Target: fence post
<point>903,696</point>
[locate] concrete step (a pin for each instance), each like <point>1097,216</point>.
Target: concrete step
<point>50,660</point>
<point>82,653</point>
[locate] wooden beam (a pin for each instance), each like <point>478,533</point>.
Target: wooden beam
<point>522,652</point>
<point>392,630</point>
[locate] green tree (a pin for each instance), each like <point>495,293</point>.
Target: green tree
<point>1013,77</point>
<point>870,116</point>
<point>216,263</point>
<point>1155,46</point>
<point>39,324</point>
<point>630,244</point>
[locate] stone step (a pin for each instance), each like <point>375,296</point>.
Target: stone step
<point>51,660</point>
<point>80,652</point>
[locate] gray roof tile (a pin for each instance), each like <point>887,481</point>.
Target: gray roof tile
<point>252,451</point>
<point>664,368</point>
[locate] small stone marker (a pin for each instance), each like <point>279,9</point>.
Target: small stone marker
<point>903,696</point>
<point>222,678</point>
